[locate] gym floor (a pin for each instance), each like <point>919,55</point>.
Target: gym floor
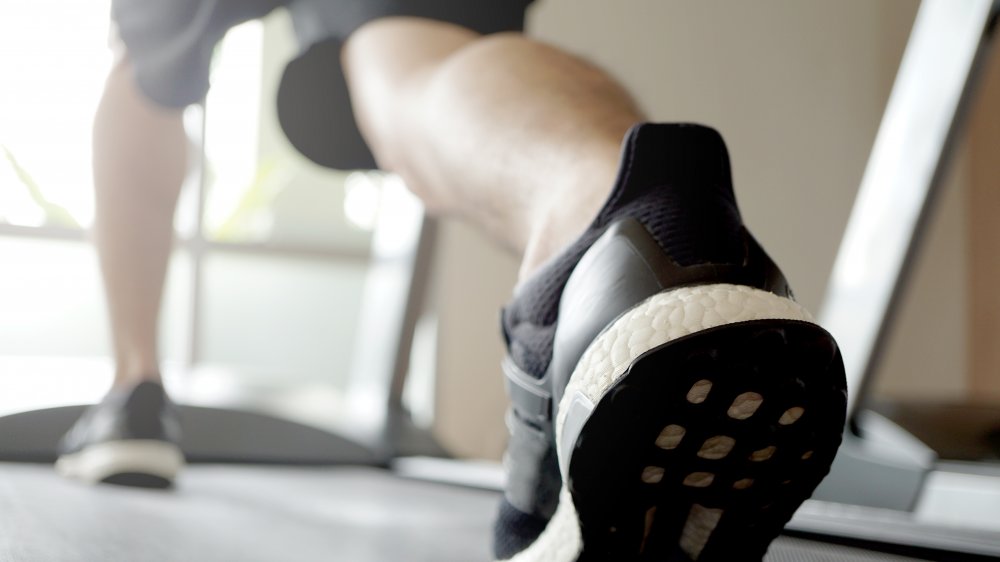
<point>259,513</point>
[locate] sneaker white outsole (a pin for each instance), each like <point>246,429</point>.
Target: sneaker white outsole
<point>97,462</point>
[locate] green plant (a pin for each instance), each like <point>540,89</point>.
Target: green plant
<point>55,215</point>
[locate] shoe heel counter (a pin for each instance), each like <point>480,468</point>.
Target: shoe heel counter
<point>149,414</point>
<point>626,266</point>
<point>618,271</point>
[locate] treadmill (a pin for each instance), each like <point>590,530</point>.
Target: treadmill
<point>377,487</point>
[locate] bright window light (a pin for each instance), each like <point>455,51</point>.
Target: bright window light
<point>53,59</point>
<point>233,124</point>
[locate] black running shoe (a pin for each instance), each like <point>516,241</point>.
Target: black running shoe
<point>670,400</point>
<point>131,439</point>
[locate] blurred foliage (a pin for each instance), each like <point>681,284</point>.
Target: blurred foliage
<point>256,200</point>
<point>55,215</point>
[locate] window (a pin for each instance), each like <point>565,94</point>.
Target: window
<point>264,285</point>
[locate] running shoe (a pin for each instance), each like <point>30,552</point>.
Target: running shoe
<point>670,399</point>
<point>131,438</point>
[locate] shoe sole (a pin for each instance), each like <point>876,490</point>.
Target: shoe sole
<point>137,462</point>
<point>693,428</point>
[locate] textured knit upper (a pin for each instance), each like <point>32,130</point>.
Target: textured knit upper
<point>673,179</point>
<point>141,412</point>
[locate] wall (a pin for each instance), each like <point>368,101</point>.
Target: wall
<point>797,88</point>
<point>983,232</point>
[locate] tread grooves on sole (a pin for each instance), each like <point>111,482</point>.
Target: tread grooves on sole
<point>699,391</point>
<point>745,405</point>
<point>650,518</point>
<point>791,415</point>
<point>670,437</point>
<point>657,401</point>
<point>732,450</point>
<point>715,448</point>
<point>698,528</point>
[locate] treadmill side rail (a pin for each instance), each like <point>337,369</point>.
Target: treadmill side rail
<point>908,160</point>
<point>885,469</point>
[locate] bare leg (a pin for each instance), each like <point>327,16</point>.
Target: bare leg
<point>139,166</point>
<point>523,140</point>
<point>511,134</point>
<point>132,437</point>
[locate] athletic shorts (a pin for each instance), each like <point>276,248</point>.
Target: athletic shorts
<point>170,45</point>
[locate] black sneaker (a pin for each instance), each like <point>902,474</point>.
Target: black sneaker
<point>131,439</point>
<point>670,399</point>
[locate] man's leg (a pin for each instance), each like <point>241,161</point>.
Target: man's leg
<point>132,436</point>
<point>140,153</point>
<point>511,134</point>
<point>694,404</point>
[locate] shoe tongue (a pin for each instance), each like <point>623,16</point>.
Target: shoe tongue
<point>676,155</point>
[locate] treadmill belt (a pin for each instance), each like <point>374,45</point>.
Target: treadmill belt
<point>266,513</point>
<point>242,513</point>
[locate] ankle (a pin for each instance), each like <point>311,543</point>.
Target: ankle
<point>571,207</point>
<point>128,378</point>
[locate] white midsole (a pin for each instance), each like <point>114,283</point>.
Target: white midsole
<point>147,456</point>
<point>657,320</point>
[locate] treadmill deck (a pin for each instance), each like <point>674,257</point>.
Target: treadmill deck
<point>261,513</point>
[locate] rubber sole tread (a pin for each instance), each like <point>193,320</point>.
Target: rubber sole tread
<point>138,480</point>
<point>707,445</point>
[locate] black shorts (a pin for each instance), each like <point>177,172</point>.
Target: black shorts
<point>170,45</point>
